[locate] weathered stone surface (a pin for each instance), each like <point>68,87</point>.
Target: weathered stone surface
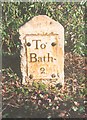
<point>42,53</point>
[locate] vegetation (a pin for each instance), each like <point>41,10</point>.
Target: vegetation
<point>70,15</point>
<point>23,101</point>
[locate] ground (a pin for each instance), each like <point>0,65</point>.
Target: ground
<point>25,102</point>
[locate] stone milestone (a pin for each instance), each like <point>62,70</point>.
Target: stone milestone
<point>42,52</point>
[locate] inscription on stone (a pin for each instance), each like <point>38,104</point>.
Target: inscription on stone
<point>42,53</point>
<point>42,56</point>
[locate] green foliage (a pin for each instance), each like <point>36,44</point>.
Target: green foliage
<point>42,86</point>
<point>39,86</point>
<point>35,84</point>
<point>81,109</point>
<point>70,15</point>
<point>18,99</point>
<point>10,74</point>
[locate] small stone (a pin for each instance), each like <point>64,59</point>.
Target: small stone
<point>56,98</point>
<point>57,107</point>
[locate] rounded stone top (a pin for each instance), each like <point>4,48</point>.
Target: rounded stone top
<point>41,24</point>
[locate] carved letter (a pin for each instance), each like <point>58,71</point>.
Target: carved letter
<point>33,57</point>
<point>43,46</point>
<point>50,58</point>
<point>36,43</point>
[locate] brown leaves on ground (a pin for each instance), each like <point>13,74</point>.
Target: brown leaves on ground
<point>22,101</point>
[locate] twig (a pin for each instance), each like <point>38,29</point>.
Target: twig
<point>12,106</point>
<point>9,97</point>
